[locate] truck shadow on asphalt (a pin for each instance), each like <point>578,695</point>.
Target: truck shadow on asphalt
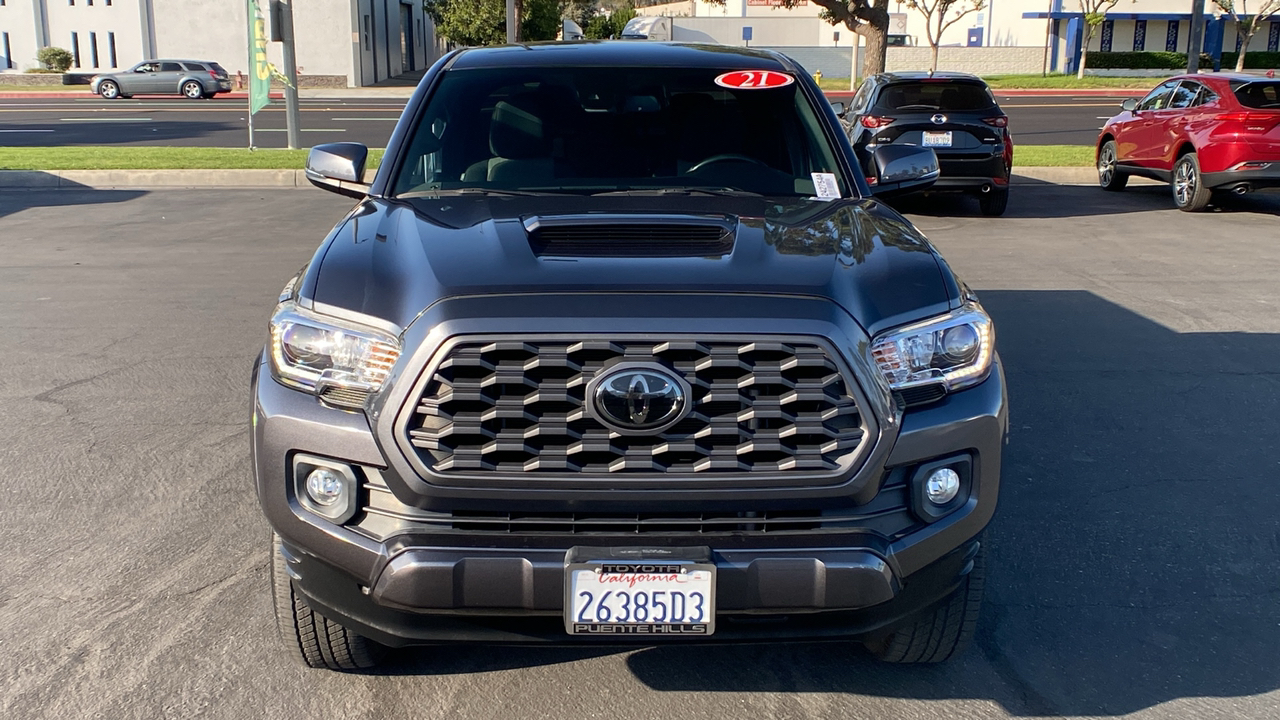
<point>1135,556</point>
<point>13,200</point>
<point>1029,200</point>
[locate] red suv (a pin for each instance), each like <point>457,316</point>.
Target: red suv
<point>1199,133</point>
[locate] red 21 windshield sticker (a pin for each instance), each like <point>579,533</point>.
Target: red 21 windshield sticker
<point>754,79</point>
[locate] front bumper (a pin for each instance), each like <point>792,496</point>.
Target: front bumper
<point>429,585</point>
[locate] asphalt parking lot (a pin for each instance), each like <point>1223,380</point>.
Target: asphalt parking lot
<point>1135,556</point>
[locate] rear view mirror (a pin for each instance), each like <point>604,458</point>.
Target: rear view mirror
<point>1129,105</point>
<point>839,107</point>
<point>903,168</point>
<point>339,168</point>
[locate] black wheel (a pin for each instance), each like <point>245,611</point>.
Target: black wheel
<point>109,90</point>
<point>993,203</point>
<point>309,636</point>
<point>943,632</point>
<point>1109,176</point>
<point>1189,192</point>
<point>193,90</point>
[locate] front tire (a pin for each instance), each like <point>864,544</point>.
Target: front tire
<point>994,203</point>
<point>109,90</point>
<point>1189,191</point>
<point>309,636</point>
<point>943,632</point>
<point>1109,175</point>
<point>193,90</point>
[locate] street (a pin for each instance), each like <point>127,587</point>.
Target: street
<point>1033,120</point>
<point>1135,557</point>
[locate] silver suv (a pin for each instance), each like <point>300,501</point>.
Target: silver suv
<point>194,79</point>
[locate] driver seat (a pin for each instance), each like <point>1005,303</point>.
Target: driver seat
<point>519,143</point>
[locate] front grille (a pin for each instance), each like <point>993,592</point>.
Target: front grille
<point>632,240</point>
<point>888,514</point>
<point>519,407</point>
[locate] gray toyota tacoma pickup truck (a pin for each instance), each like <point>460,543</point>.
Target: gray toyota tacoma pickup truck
<point>618,346</point>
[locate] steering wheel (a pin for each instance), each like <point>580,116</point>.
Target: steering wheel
<point>726,157</point>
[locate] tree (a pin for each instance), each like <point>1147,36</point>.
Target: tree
<point>1247,25</point>
<point>55,58</point>
<point>868,18</point>
<point>602,25</point>
<point>484,22</point>
<point>1095,12</point>
<point>936,20</point>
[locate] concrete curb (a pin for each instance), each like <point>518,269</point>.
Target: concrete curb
<point>107,179</point>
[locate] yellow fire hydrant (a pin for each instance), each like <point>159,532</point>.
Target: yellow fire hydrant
<point>817,76</point>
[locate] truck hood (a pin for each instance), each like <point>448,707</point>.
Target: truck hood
<point>392,259</point>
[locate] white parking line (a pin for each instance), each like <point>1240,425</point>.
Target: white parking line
<point>23,131</point>
<point>104,119</point>
<point>392,119</point>
<point>258,130</point>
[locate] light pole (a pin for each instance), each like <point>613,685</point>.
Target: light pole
<point>511,22</point>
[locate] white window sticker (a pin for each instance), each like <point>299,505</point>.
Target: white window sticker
<point>825,185</point>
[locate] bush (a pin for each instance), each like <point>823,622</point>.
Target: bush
<point>1136,61</point>
<point>1255,60</point>
<point>55,58</point>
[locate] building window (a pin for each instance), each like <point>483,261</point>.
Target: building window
<point>75,48</point>
<point>8,63</point>
<point>111,48</point>
<point>1171,37</point>
<point>366,32</point>
<point>1140,36</point>
<point>1273,40</point>
<point>1108,32</point>
<point>93,48</point>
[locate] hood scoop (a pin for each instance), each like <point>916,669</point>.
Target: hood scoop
<point>636,236</point>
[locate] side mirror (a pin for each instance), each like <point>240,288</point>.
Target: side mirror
<point>839,107</point>
<point>339,168</point>
<point>1129,105</point>
<point>903,168</point>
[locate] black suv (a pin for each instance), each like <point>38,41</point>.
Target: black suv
<point>952,113</point>
<point>617,347</point>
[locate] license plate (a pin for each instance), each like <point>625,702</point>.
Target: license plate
<point>640,599</point>
<point>937,139</point>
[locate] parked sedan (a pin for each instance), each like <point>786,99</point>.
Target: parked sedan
<point>190,78</point>
<point>1200,133</point>
<point>952,113</point>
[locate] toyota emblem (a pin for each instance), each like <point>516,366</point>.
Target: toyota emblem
<point>938,119</point>
<point>638,399</point>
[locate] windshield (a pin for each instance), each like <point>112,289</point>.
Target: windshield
<point>612,129</point>
<point>944,95</point>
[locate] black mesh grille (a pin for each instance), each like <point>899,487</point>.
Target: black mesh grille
<point>520,407</point>
<point>631,240</point>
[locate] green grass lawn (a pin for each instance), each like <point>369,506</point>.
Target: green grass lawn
<point>1028,82</point>
<point>1070,82</point>
<point>154,158</point>
<point>44,88</point>
<point>1052,155</point>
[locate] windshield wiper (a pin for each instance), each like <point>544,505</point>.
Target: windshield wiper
<point>715,191</point>
<point>443,192</point>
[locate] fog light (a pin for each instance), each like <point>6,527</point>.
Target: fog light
<point>325,486</point>
<point>942,486</point>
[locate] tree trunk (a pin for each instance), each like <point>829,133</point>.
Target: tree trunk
<point>519,17</point>
<point>1244,47</point>
<point>874,27</point>
<point>933,67</point>
<point>1084,52</point>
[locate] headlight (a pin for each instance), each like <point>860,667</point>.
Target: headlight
<point>954,350</point>
<point>343,362</point>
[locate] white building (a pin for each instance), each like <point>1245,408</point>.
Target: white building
<point>1136,25</point>
<point>339,42</point>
